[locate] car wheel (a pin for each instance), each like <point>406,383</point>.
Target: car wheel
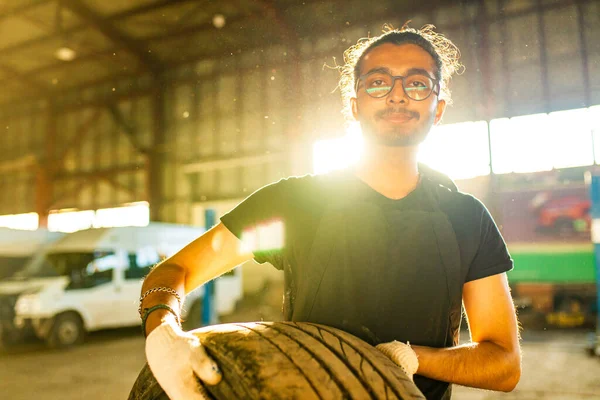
<point>66,331</point>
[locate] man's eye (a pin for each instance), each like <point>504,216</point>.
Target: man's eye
<point>418,84</point>
<point>377,82</point>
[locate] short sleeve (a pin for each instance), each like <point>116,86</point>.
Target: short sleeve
<point>259,221</point>
<point>492,256</point>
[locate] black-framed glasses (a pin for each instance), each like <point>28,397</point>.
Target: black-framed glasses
<point>416,86</point>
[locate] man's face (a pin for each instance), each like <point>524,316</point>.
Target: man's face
<point>396,119</point>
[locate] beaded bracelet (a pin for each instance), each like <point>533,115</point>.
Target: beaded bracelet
<point>158,289</point>
<point>147,312</point>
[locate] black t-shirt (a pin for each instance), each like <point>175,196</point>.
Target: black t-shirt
<point>292,208</point>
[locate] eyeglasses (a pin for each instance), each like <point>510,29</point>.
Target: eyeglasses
<point>417,87</point>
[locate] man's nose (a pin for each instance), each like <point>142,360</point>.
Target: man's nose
<point>397,95</point>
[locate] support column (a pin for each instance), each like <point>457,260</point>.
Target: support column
<point>156,154</point>
<point>43,170</point>
<point>209,314</point>
<point>488,109</point>
<point>300,147</point>
<point>595,215</point>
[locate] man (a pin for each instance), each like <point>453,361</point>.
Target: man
<point>382,250</point>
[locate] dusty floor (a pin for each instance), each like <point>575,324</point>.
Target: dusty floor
<point>556,366</point>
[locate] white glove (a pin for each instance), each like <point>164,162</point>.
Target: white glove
<point>402,355</point>
<point>175,358</point>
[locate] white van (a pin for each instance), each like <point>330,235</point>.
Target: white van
<point>18,246</point>
<point>91,280</point>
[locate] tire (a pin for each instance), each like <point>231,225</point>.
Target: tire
<point>564,227</point>
<point>8,339</point>
<point>67,331</point>
<point>285,360</point>
<point>5,342</point>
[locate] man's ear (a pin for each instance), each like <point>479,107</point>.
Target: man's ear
<point>439,111</point>
<point>354,107</point>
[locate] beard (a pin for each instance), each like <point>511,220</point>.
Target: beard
<point>396,135</point>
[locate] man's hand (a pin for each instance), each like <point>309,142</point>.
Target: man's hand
<point>402,355</point>
<point>176,358</point>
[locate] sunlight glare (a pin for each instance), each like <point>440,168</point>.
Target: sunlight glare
<point>459,150</point>
<point>338,153</point>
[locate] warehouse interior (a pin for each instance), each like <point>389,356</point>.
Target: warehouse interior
<point>125,113</point>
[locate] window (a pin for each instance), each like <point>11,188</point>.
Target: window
<point>541,142</point>
<point>84,270</point>
<point>572,138</point>
<point>521,144</point>
<point>458,150</point>
<point>141,262</point>
<point>28,222</point>
<point>70,221</point>
<point>595,122</point>
<point>134,214</point>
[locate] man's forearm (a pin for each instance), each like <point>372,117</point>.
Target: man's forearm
<point>484,365</point>
<point>164,275</point>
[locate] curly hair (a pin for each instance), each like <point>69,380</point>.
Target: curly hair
<point>444,52</point>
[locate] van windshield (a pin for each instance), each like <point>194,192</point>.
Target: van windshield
<point>11,264</point>
<point>76,266</point>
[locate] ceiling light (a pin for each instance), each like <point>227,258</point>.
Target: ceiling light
<point>65,54</point>
<point>219,21</point>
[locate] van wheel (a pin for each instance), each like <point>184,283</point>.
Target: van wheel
<point>8,339</point>
<point>194,316</point>
<point>66,331</point>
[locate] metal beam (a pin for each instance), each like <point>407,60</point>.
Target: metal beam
<point>276,40</point>
<point>219,163</point>
<point>96,174</point>
<point>209,27</point>
<point>543,53</point>
<point>80,135</point>
<point>227,52</point>
<point>38,87</point>
<point>192,30</point>
<point>18,164</point>
<point>60,64</point>
<point>122,41</point>
<point>119,186</point>
<point>57,203</point>
<point>175,33</point>
<point>146,8</point>
<point>585,71</point>
<point>114,17</point>
<point>22,8</point>
<point>583,51</point>
<point>128,129</point>
<point>485,61</point>
<point>506,84</point>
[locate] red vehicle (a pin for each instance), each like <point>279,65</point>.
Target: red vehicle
<point>563,215</point>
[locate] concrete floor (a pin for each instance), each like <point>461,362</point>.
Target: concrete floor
<point>555,366</point>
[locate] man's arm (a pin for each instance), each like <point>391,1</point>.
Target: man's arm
<point>211,255</point>
<point>493,358</point>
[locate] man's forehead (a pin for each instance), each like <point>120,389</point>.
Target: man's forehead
<point>398,58</point>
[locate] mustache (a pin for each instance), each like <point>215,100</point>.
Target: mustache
<point>389,111</point>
